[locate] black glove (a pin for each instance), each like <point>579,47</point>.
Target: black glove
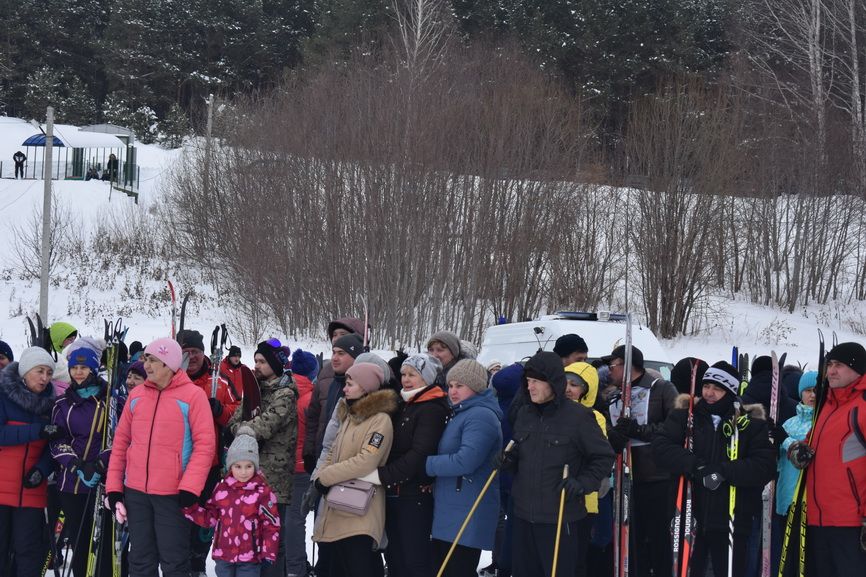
<point>628,427</point>
<point>323,490</point>
<point>187,499</point>
<point>216,407</point>
<point>90,468</point>
<point>696,473</point>
<point>778,434</point>
<point>572,488</point>
<point>114,498</point>
<point>800,454</point>
<point>33,478</point>
<point>505,461</point>
<point>50,432</point>
<point>309,500</point>
<point>711,476</point>
<point>310,464</point>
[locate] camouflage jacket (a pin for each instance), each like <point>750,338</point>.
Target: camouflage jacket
<point>276,428</point>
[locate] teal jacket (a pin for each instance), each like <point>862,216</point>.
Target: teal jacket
<point>797,428</point>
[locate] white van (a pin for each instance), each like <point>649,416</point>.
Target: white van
<point>602,331</point>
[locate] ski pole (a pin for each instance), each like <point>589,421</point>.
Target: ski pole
<point>508,448</point>
<point>559,522</point>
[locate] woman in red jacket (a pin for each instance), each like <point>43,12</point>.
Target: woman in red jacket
<point>162,452</point>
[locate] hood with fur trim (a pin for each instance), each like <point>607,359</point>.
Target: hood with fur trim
<point>754,411</point>
<point>12,385</point>
<point>381,401</point>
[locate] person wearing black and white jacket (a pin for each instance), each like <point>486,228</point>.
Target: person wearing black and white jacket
<point>652,400</point>
<point>716,414</point>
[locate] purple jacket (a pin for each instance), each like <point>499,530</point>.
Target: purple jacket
<point>81,421</point>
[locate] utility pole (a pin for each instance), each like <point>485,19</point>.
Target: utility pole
<point>46,213</point>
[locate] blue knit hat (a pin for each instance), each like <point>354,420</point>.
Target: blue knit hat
<point>304,363</point>
<point>86,357</point>
<point>808,380</point>
<point>6,351</point>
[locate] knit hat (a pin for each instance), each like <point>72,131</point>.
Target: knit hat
<point>190,339</point>
<point>135,347</point>
<point>138,368</point>
<point>59,332</point>
<point>724,375</point>
<point>850,354</point>
<point>243,448</point>
<point>352,344</point>
<point>387,373</point>
<point>34,357</point>
<point>426,365</point>
<point>234,351</point>
<point>808,380</point>
<point>447,338</point>
<point>368,376</point>
<point>304,363</point>
<point>681,374</point>
<point>166,350</point>
<point>494,365</point>
<point>6,351</point>
<point>470,373</point>
<point>274,354</point>
<point>570,343</point>
<point>86,357</point>
<point>762,364</point>
<point>619,353</point>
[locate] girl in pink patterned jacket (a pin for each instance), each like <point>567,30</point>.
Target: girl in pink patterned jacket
<point>244,511</point>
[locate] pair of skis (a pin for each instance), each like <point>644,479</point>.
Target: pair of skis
<point>623,473</point>
<point>683,527</point>
<point>172,294</point>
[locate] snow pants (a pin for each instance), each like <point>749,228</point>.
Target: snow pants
<point>533,549</point>
<point>22,531</point>
<point>834,552</point>
<point>408,523</point>
<point>158,535</point>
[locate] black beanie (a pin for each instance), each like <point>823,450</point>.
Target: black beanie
<point>188,338</point>
<point>275,357</point>
<point>234,351</point>
<point>724,375</point>
<point>762,364</point>
<point>681,374</point>
<point>570,343</point>
<point>850,354</point>
<point>352,344</point>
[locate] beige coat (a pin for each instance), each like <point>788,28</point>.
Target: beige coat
<point>362,446</point>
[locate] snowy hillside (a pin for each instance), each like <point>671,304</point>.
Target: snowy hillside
<point>86,287</point>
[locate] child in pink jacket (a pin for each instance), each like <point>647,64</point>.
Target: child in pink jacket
<point>244,511</point>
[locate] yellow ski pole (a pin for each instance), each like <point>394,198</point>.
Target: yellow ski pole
<point>508,447</point>
<point>559,522</point>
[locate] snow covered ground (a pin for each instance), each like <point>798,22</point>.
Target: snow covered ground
<point>84,296</point>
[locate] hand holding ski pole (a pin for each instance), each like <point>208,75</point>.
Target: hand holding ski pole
<point>562,492</point>
<point>800,454</point>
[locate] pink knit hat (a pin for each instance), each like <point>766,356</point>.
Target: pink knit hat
<point>168,351</point>
<point>367,375</point>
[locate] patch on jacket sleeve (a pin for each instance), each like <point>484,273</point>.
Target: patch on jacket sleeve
<point>264,511</point>
<point>376,440</point>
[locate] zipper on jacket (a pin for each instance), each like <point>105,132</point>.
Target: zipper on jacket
<point>853,484</point>
<point>23,474</point>
<point>149,441</point>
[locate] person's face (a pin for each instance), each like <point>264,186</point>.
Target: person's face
<point>262,369</point>
<point>69,340</point>
<point>713,393</point>
<point>494,369</point>
<point>79,373</point>
<point>341,361</point>
<point>133,380</point>
<point>338,333</point>
<point>808,397</point>
<point>411,379</point>
<point>196,360</point>
<point>37,378</point>
<point>575,357</point>
<point>157,371</point>
<point>840,375</point>
<point>4,360</point>
<point>539,391</point>
<point>617,366</point>
<point>243,471</point>
<point>352,390</point>
<point>441,352</point>
<point>573,390</point>
<point>235,360</point>
<point>458,392</point>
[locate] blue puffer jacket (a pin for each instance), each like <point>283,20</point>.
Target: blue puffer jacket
<point>463,463</point>
<point>797,428</point>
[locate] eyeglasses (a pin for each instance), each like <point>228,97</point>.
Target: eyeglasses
<point>614,365</point>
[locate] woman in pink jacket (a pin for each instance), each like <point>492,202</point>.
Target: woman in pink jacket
<point>163,449</point>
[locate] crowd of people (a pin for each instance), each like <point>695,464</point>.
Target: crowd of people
<point>415,465</point>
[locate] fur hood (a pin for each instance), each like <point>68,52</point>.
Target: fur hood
<point>754,411</point>
<point>12,386</point>
<point>381,401</point>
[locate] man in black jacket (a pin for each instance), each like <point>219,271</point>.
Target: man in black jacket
<point>550,432</point>
<point>717,413</point>
<point>652,399</point>
<point>19,158</point>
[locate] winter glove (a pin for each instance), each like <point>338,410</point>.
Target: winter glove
<point>696,473</point>
<point>572,488</point>
<point>628,426</point>
<point>308,502</point>
<point>506,461</point>
<point>114,498</point>
<point>216,408</point>
<point>711,476</point>
<point>91,481</point>
<point>323,490</point>
<point>800,454</point>
<point>187,499</point>
<point>33,478</point>
<point>778,434</point>
<point>310,464</point>
<point>50,432</point>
